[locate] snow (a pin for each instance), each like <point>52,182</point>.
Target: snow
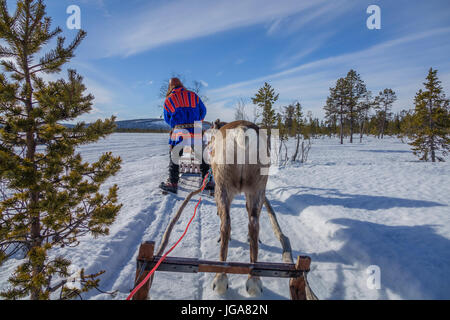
<point>348,208</point>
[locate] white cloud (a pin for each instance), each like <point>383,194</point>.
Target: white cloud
<point>275,26</point>
<point>175,21</point>
<point>400,64</point>
<point>309,45</point>
<point>102,95</point>
<point>219,110</point>
<point>321,13</point>
<point>100,4</point>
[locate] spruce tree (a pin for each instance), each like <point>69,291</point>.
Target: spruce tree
<point>431,121</point>
<point>265,99</point>
<point>383,104</point>
<point>49,197</point>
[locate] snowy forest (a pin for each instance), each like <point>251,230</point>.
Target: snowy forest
<point>352,111</point>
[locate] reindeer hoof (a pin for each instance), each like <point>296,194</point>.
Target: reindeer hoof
<point>220,284</point>
<point>254,286</point>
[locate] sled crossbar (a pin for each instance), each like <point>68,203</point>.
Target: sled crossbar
<point>189,265</point>
<point>298,284</point>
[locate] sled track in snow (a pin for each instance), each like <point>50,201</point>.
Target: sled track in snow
<point>120,253</point>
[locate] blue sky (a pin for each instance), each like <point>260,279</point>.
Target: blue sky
<point>300,47</point>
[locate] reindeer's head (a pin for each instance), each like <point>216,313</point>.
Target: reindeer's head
<point>210,133</point>
<point>218,124</point>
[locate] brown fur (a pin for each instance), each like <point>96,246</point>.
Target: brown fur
<point>233,179</point>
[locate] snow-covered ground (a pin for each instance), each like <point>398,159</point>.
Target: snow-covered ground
<point>348,208</point>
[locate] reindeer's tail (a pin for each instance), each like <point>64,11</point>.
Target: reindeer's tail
<point>246,140</point>
<point>240,139</point>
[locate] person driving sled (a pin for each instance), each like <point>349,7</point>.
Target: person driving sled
<point>182,108</point>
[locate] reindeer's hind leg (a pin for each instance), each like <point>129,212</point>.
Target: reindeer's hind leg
<point>254,205</point>
<point>223,201</point>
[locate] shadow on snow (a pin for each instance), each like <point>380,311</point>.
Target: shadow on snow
<point>413,259</point>
<point>333,197</point>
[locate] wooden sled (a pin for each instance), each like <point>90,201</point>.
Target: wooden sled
<point>297,272</point>
<point>188,163</point>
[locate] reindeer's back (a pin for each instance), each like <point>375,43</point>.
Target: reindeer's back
<point>245,170</point>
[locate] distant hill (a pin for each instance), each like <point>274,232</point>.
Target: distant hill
<point>138,125</point>
<point>143,124</point>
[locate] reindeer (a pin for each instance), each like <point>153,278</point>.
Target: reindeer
<point>246,175</point>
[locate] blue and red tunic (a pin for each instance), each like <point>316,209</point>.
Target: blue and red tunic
<point>182,108</point>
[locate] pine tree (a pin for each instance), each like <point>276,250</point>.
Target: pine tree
<point>363,110</point>
<point>406,124</point>
<point>394,127</point>
<point>383,105</point>
<point>49,197</point>
<point>264,99</point>
<point>311,125</point>
<point>289,113</point>
<point>330,118</point>
<point>297,127</point>
<point>283,132</point>
<point>336,105</point>
<point>355,91</point>
<point>431,121</point>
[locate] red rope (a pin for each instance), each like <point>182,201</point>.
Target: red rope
<point>143,282</point>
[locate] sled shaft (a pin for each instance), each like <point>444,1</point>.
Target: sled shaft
<point>189,265</point>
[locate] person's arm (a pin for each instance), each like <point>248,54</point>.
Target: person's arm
<point>202,109</point>
<point>167,114</point>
